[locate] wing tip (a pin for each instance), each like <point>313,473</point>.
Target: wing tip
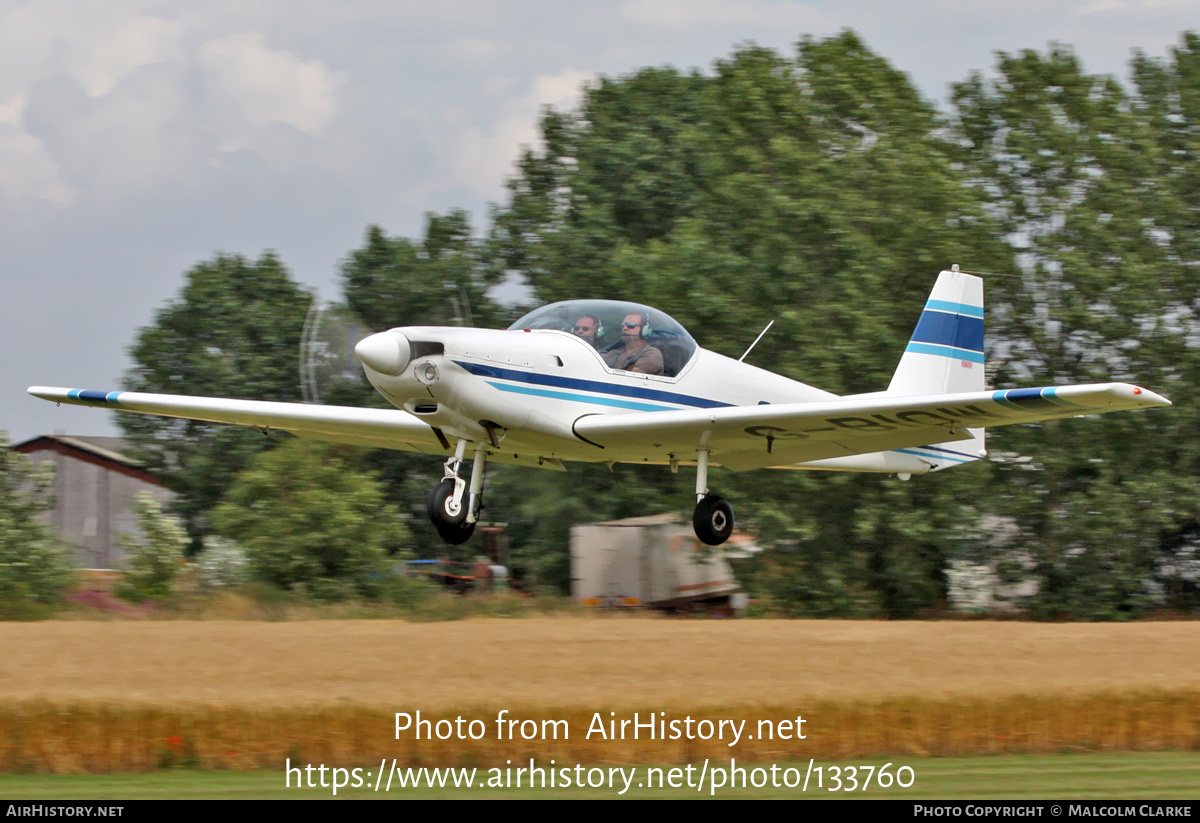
<point>46,392</point>
<point>1145,397</point>
<point>80,397</point>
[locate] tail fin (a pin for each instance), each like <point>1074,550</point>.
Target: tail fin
<point>945,356</point>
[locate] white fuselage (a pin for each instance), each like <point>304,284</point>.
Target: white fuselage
<point>530,387</point>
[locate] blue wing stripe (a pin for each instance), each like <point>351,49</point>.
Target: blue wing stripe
<point>1032,400</point>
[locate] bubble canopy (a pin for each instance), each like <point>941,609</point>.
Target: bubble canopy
<point>660,331</point>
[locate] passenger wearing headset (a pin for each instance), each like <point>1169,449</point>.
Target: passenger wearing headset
<point>588,327</point>
<point>635,354</point>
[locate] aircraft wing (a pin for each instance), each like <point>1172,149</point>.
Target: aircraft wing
<point>748,437</point>
<point>380,428</point>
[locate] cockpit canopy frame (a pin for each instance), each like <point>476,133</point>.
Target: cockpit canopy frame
<point>663,331</point>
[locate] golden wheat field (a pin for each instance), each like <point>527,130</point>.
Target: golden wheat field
<point>94,696</point>
<point>583,661</point>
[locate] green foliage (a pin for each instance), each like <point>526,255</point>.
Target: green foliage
<point>308,517</point>
<point>438,281</point>
<point>154,562</point>
<point>34,568</point>
<point>818,191</point>
<point>1089,183</point>
<point>539,508</point>
<point>234,331</point>
<point>221,565</point>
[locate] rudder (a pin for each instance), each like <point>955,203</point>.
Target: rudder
<point>945,355</point>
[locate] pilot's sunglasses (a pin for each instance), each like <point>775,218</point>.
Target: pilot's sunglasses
<point>631,325</point>
<point>583,328</point>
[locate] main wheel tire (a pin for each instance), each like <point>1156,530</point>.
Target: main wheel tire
<point>713,520</point>
<point>449,519</point>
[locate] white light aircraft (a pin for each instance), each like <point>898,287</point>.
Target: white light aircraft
<point>618,382</point>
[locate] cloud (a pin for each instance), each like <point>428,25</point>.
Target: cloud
<point>482,156</point>
<point>138,110</point>
<point>13,109</point>
<point>133,44</point>
<point>128,142</point>
<point>792,16</point>
<point>264,86</point>
<point>476,50</point>
<point>27,172</point>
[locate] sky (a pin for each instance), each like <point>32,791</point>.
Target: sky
<point>138,138</point>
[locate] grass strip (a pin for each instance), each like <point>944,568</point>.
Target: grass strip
<point>1115,776</point>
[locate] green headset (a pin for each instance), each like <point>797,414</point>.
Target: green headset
<point>599,325</point>
<point>645,318</point>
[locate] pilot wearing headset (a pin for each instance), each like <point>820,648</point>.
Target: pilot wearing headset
<point>635,354</point>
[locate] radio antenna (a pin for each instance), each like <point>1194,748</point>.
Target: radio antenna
<point>755,343</point>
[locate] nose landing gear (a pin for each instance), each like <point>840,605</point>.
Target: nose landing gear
<point>448,514</point>
<point>452,516</point>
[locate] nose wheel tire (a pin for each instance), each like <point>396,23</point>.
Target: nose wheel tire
<point>713,520</point>
<point>448,518</point>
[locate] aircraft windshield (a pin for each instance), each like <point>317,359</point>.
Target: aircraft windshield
<point>600,322</point>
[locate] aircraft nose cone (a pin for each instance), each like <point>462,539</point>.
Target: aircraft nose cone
<point>387,352</point>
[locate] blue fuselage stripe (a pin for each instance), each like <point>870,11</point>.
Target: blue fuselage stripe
<point>580,398</point>
<point>937,456</point>
<point>591,386</point>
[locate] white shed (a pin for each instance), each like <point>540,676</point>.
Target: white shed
<point>655,562</point>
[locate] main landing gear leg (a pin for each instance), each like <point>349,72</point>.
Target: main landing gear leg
<point>713,518</point>
<point>447,508</point>
<point>475,491</point>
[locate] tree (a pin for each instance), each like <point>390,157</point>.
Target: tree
<point>437,281</point>
<point>1105,290</point>
<point>34,567</point>
<point>1168,101</point>
<point>234,331</point>
<point>152,563</point>
<point>307,516</point>
<point>818,191</point>
<point>222,565</point>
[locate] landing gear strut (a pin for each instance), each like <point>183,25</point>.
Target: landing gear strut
<point>713,518</point>
<point>453,516</point>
